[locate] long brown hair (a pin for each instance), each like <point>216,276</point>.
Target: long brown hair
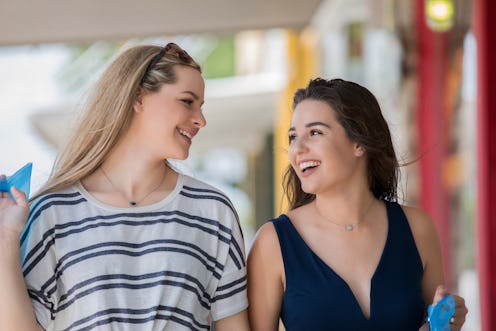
<point>360,115</point>
<point>109,110</point>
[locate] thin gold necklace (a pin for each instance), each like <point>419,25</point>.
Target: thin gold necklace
<point>132,203</point>
<point>349,226</point>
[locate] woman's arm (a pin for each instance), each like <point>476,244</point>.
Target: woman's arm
<point>16,311</point>
<point>265,280</point>
<point>429,247</point>
<point>238,322</point>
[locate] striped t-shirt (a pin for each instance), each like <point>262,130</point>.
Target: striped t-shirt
<point>177,264</point>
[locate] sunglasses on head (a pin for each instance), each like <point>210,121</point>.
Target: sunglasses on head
<point>173,50</point>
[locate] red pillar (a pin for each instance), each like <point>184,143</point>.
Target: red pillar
<point>484,22</point>
<point>432,59</point>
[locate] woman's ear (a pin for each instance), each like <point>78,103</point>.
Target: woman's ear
<point>138,105</point>
<point>359,150</point>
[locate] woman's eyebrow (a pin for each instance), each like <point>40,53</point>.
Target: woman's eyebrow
<point>194,95</point>
<point>308,125</point>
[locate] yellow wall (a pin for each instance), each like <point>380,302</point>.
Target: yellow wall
<point>303,64</point>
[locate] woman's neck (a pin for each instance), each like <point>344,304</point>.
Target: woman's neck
<point>130,178</point>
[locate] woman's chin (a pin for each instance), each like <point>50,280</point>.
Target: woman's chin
<point>308,189</point>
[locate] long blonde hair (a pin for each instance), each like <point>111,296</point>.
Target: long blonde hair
<point>109,110</point>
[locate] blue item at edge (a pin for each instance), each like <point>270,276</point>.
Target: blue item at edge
<point>439,315</point>
<point>21,179</point>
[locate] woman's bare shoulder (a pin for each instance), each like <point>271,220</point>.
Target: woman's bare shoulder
<point>424,230</point>
<point>420,222</point>
<point>265,239</point>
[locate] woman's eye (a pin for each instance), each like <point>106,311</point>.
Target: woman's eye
<point>189,102</point>
<point>315,132</point>
<point>291,137</point>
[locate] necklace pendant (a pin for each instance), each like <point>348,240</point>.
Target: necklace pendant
<point>349,227</point>
<point>133,203</point>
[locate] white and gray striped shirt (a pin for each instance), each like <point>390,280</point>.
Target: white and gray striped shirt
<point>173,265</point>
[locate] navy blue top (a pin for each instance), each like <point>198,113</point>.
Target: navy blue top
<point>317,298</point>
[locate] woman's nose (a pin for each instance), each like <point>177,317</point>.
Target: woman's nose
<point>299,145</point>
<point>199,119</point>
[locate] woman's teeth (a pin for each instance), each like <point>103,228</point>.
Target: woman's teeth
<point>308,164</point>
<point>184,133</point>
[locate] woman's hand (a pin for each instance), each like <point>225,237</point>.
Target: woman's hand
<point>13,214</point>
<point>458,318</point>
<point>16,312</point>
<point>460,313</point>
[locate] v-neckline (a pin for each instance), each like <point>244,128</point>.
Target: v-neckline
<point>378,266</point>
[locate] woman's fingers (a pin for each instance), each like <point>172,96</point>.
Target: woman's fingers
<point>461,311</point>
<point>14,211</point>
<point>19,196</point>
<point>458,318</point>
<point>439,294</point>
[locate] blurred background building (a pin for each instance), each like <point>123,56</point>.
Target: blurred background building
<point>431,63</point>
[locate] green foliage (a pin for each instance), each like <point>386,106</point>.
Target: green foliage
<point>220,62</point>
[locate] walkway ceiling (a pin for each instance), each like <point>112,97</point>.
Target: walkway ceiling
<point>47,21</point>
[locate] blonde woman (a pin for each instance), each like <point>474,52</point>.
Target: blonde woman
<point>117,239</point>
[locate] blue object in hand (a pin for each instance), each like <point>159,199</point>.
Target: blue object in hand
<point>439,315</point>
<point>21,179</point>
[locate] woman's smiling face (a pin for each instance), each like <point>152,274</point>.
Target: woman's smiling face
<point>171,117</point>
<point>319,151</point>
